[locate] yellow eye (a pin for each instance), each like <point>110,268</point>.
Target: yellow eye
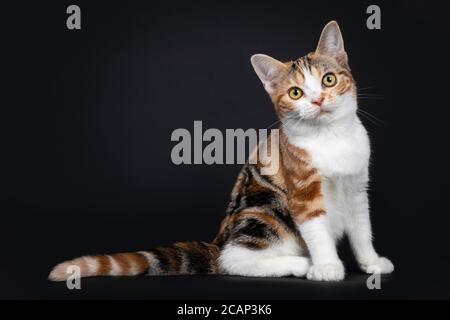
<point>295,93</point>
<point>329,80</point>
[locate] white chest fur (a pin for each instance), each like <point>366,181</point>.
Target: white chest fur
<point>341,155</point>
<point>336,151</point>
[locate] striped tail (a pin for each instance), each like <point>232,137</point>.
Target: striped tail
<point>181,258</point>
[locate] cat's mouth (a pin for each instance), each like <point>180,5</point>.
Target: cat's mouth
<point>325,111</point>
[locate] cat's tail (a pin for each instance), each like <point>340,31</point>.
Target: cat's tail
<point>178,259</point>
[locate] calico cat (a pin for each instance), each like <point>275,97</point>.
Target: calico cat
<point>288,223</point>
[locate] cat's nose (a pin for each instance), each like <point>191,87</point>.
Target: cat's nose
<point>318,101</point>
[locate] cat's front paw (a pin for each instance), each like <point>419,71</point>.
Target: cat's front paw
<point>380,265</point>
<point>326,272</point>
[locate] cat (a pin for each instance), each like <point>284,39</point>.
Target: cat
<point>288,223</point>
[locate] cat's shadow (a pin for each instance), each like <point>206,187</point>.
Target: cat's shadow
<point>352,279</point>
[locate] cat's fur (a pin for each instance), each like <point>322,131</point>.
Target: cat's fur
<point>287,223</point>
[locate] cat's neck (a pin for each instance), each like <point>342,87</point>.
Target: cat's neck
<point>340,149</point>
<point>305,129</point>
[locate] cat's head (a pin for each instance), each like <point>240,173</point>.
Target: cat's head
<point>317,88</point>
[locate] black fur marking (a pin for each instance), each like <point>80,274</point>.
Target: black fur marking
<point>307,62</point>
<point>253,228</point>
<point>259,199</point>
<point>294,66</point>
<point>163,261</point>
<point>199,259</point>
<point>220,242</point>
<point>249,244</point>
<point>235,202</point>
<point>285,217</point>
<point>256,229</point>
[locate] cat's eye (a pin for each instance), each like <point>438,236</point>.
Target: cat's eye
<point>329,79</point>
<point>295,93</point>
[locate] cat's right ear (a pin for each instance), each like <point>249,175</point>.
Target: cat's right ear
<point>267,69</point>
<point>331,44</point>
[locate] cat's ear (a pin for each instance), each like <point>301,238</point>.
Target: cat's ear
<point>267,69</point>
<point>331,44</point>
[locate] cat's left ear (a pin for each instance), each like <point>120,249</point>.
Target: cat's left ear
<point>331,44</point>
<point>268,70</point>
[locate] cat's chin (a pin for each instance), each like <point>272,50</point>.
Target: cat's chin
<point>323,114</point>
<point>322,117</point>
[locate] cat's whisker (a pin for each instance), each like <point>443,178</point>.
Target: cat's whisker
<point>369,95</point>
<point>274,123</point>
<point>293,116</point>
<point>371,117</point>
<point>366,88</point>
<point>370,98</point>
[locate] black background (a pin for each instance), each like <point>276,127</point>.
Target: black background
<point>87,116</point>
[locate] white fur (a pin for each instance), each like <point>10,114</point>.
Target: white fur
<point>312,88</point>
<point>339,148</point>
<point>281,259</point>
<point>318,237</point>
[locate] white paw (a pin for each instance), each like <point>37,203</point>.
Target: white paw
<point>380,265</point>
<point>326,272</point>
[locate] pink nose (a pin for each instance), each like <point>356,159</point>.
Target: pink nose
<point>318,101</point>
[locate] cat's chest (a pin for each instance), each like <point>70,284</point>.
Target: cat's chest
<point>337,154</point>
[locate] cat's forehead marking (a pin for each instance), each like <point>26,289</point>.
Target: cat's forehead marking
<point>305,63</point>
<point>301,64</point>
<point>312,63</point>
<point>302,69</point>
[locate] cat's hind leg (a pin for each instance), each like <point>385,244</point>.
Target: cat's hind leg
<point>269,262</point>
<point>261,245</point>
